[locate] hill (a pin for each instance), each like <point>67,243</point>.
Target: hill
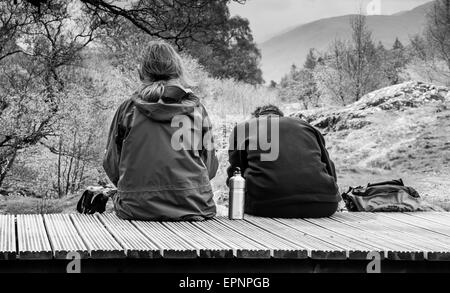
<point>402,131</point>
<point>281,51</point>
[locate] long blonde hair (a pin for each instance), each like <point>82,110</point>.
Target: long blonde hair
<point>160,65</point>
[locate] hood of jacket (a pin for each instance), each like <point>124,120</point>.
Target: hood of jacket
<point>165,112</point>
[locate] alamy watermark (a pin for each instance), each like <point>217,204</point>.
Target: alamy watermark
<point>374,266</point>
<point>374,7</point>
<point>74,266</point>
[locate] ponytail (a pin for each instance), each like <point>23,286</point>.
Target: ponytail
<point>152,92</point>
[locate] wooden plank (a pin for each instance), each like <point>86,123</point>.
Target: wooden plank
<point>7,237</point>
<point>32,237</point>
<point>99,242</point>
<point>442,219</point>
<point>136,244</point>
<point>316,248</point>
<point>63,236</point>
<point>206,245</point>
<point>361,221</point>
<point>279,247</point>
<point>397,249</point>
<point>436,234</point>
<point>169,243</point>
<point>405,230</point>
<point>441,215</point>
<point>354,247</point>
<point>386,247</point>
<point>243,247</point>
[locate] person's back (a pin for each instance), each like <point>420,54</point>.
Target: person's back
<point>156,157</point>
<point>297,180</point>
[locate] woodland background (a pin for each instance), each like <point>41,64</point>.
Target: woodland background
<point>65,66</point>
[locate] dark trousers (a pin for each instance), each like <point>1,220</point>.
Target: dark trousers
<point>304,210</point>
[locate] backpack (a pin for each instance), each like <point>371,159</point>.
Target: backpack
<point>93,200</point>
<point>387,196</point>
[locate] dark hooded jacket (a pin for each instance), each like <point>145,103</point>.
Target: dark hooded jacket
<point>158,173</point>
<point>301,173</point>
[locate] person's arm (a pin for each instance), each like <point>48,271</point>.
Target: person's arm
<point>208,154</point>
<point>116,136</point>
<point>237,155</point>
<point>112,152</point>
<point>325,156</point>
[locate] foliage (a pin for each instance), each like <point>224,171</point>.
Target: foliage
<point>437,32</point>
<point>178,21</point>
<point>223,45</point>
<point>393,62</point>
<point>311,60</point>
<point>22,205</point>
<point>67,65</point>
<point>431,50</point>
<point>40,44</point>
<point>349,69</point>
<point>299,85</point>
<point>233,55</point>
<point>355,64</point>
<point>60,83</point>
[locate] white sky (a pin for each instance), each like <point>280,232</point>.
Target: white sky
<point>269,17</point>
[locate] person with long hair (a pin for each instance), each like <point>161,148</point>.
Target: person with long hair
<point>160,153</point>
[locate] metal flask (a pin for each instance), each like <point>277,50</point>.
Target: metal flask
<point>237,196</point>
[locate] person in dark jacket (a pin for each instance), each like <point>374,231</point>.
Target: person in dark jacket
<point>294,178</point>
<point>158,153</point>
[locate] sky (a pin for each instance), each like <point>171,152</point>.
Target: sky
<point>270,17</point>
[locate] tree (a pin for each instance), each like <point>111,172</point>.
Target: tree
<point>13,20</point>
<point>330,75</point>
<point>41,44</point>
<point>381,47</point>
<point>232,55</point>
<point>431,50</point>
<point>299,85</point>
<point>361,59</point>
<point>397,45</point>
<point>224,45</point>
<point>392,63</point>
<point>437,32</point>
<point>397,60</point>
<point>178,21</point>
<point>350,69</point>
<point>311,60</point>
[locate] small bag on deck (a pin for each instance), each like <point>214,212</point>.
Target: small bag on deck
<point>94,199</point>
<point>388,196</point>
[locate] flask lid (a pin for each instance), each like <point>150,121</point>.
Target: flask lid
<point>237,171</point>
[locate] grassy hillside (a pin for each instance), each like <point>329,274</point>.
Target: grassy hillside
<point>401,131</point>
<point>281,51</point>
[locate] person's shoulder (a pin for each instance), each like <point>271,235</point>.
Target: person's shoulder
<point>126,107</point>
<point>127,103</point>
<point>298,122</point>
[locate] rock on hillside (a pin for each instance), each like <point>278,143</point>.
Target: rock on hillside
<point>405,127</point>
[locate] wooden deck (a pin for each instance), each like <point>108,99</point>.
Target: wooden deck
<point>345,236</point>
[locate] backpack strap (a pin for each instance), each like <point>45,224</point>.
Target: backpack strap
<point>398,182</point>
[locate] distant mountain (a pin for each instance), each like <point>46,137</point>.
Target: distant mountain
<point>281,51</point>
<point>277,33</point>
